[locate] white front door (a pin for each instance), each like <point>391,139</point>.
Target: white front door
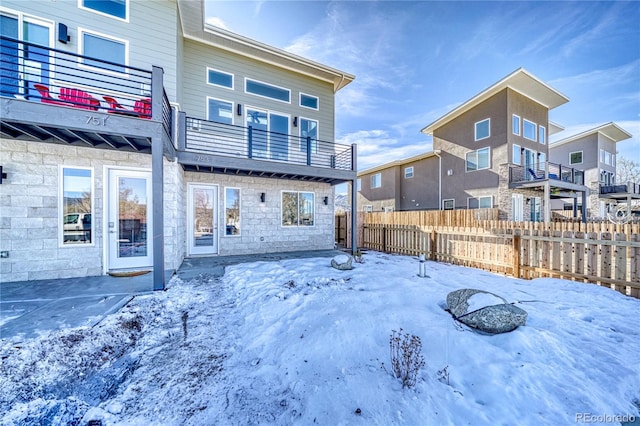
<point>517,207</point>
<point>129,224</point>
<point>202,207</point>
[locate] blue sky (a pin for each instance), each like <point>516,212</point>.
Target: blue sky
<point>416,60</point>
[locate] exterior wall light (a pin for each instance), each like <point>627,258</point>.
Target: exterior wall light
<point>263,196</point>
<point>326,201</point>
<point>239,109</point>
<point>295,121</point>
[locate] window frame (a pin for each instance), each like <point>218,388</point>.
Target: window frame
<point>409,174</point>
<point>239,234</point>
<point>61,214</point>
<point>542,134</point>
<point>81,47</point>
<point>446,200</point>
<point>602,155</point>
<point>210,98</point>
<point>367,208</point>
<point>127,11</point>
<point>513,130</point>
<point>247,79</point>
<point>576,152</point>
<point>535,130</point>
<point>298,225</point>
<point>372,177</point>
<point>475,129</point>
<point>478,199</point>
<point>233,78</point>
<point>301,94</point>
<point>466,164</point>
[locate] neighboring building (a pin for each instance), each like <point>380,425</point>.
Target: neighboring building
<point>160,138</point>
<point>594,151</point>
<point>491,151</point>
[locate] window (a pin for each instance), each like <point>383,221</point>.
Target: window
<point>367,208</point>
<point>607,157</point>
<point>542,134</point>
<point>529,130</point>
<point>542,160</point>
<point>359,185</point>
<point>515,125</point>
<point>308,129</point>
<point>114,8</point>
<point>103,48</point>
<point>267,90</point>
<point>219,78</point>
<point>575,157</point>
<point>298,208</point>
<point>478,160</point>
<point>480,202</point>
<point>408,172</point>
<point>482,130</point>
<point>76,205</point>
<point>232,211</point>
<point>219,111</point>
<point>517,154</point>
<point>601,155</point>
<point>376,181</point>
<point>308,101</point>
<point>613,160</point>
<point>449,204</point>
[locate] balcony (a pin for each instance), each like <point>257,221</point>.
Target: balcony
<point>52,95</point>
<point>562,181</point>
<point>628,191</point>
<point>248,151</point>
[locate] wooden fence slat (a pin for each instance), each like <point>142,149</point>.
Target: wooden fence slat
<point>605,256</point>
<point>579,254</point>
<point>555,254</point>
<point>567,252</point>
<point>620,262</point>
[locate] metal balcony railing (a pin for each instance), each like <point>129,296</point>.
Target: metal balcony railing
<point>627,188</point>
<point>545,170</point>
<point>248,142</point>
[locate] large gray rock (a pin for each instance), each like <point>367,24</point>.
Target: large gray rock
<point>485,311</point>
<point>342,262</point>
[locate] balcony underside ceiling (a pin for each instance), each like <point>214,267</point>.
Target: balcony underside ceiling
<point>620,196</point>
<point>557,188</point>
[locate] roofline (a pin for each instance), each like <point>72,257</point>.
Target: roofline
<point>397,163</point>
<point>600,129</point>
<point>485,94</point>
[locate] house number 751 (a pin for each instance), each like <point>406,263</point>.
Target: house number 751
<point>97,121</point>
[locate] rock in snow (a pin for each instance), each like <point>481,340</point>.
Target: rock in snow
<point>342,262</point>
<point>485,311</point>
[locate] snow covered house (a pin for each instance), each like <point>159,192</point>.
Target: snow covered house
<point>134,135</point>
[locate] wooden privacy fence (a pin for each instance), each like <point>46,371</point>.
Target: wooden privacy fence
<point>609,259</point>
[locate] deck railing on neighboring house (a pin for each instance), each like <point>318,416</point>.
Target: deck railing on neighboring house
<point>544,171</point>
<point>627,188</point>
<point>248,142</point>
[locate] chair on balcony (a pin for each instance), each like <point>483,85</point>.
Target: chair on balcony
<point>141,109</point>
<point>79,98</point>
<point>45,96</point>
<point>536,177</point>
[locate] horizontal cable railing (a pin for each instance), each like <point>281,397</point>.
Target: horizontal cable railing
<point>167,115</point>
<point>52,76</point>
<point>625,188</point>
<point>545,170</point>
<point>249,142</point>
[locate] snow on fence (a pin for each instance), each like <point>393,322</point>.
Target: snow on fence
<point>610,259</point>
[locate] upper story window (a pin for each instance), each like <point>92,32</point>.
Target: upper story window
<point>478,160</point>
<point>219,111</point>
<point>359,185</point>
<point>376,180</point>
<point>105,48</point>
<point>408,172</point>
<point>113,8</point>
<point>529,129</point>
<point>449,204</point>
<point>219,78</point>
<point>482,129</point>
<point>542,134</point>
<point>607,158</point>
<point>515,124</point>
<point>575,157</point>
<point>542,160</point>
<point>267,90</point>
<point>601,155</point>
<point>308,134</point>
<point>517,154</point>
<point>309,101</point>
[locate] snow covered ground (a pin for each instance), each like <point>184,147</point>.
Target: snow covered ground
<point>298,342</point>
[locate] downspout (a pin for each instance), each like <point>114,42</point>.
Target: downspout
<point>437,152</point>
<point>354,201</point>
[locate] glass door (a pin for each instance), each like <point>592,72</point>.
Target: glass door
<point>517,207</point>
<point>270,134</point>
<point>37,65</point>
<point>203,224</point>
<point>129,221</point>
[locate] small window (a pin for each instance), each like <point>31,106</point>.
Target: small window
<point>367,208</point>
<point>219,78</point>
<point>517,154</point>
<point>482,129</point>
<point>308,101</point>
<point>408,172</point>
<point>607,158</point>
<point>477,160</point>
<point>575,157</point>
<point>542,134</point>
<point>298,208</point>
<point>103,48</point>
<point>267,90</point>
<point>480,202</point>
<point>529,130</point>
<point>376,181</point>
<point>448,204</point>
<point>515,125</point>
<point>220,111</point>
<point>76,206</point>
<point>359,185</point>
<point>114,8</point>
<point>542,161</point>
<point>232,211</point>
<point>601,155</point>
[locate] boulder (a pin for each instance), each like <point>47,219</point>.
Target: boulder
<point>485,311</point>
<point>342,262</point>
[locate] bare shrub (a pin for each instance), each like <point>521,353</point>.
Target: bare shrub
<point>406,357</point>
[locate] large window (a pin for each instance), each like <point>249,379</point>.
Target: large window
<point>482,129</point>
<point>308,129</point>
<point>219,78</point>
<point>232,211</point>
<point>376,181</point>
<point>575,157</point>
<point>542,134</point>
<point>480,202</point>
<point>308,101</point>
<point>408,172</point>
<point>220,111</point>
<point>76,205</point>
<point>298,208</point>
<point>267,90</point>
<point>529,130</point>
<point>515,125</point>
<point>104,48</point>
<point>517,154</point>
<point>478,160</point>
<point>113,8</point>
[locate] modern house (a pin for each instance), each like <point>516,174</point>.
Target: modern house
<point>491,151</point>
<point>594,151</point>
<point>134,135</point>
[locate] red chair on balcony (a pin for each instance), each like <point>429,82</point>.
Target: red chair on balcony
<point>79,98</point>
<point>141,109</point>
<point>45,96</point>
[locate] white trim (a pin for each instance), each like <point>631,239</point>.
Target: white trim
<point>224,209</point>
<point>61,214</point>
<point>519,125</point>
<point>581,157</point>
<point>311,96</point>
<point>298,226</point>
<point>453,207</point>
<point>127,11</point>
<point>233,78</point>
<point>406,169</point>
<point>475,129</point>
<point>211,98</point>
<point>81,64</point>
<point>266,84</point>
<point>535,130</point>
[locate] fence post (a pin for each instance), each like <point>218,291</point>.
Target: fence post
<point>516,255</point>
<point>433,246</point>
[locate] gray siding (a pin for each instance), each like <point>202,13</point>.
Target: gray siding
<point>526,109</point>
<point>421,191</point>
